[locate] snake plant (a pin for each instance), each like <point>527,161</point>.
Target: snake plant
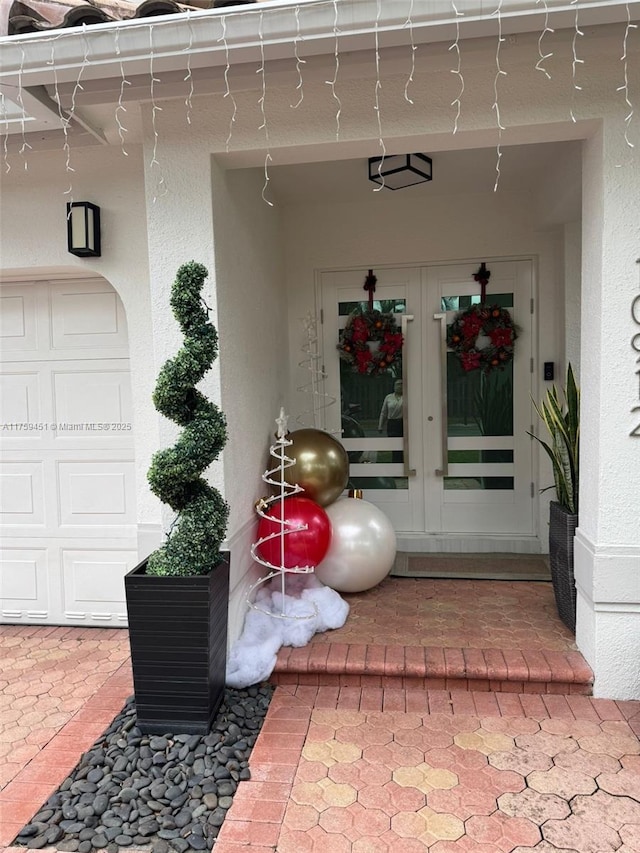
<point>560,413</point>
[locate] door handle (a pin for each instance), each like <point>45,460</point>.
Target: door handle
<point>408,470</point>
<point>444,469</point>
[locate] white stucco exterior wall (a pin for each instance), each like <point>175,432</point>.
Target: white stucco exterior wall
<point>572,259</point>
<point>34,246</point>
<point>607,544</point>
<point>253,337</point>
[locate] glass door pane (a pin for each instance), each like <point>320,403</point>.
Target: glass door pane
<point>479,405</point>
<point>372,408</point>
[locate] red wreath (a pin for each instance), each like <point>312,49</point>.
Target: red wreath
<point>364,327</point>
<point>490,321</point>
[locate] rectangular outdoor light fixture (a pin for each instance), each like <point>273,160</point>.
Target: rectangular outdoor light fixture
<point>83,229</point>
<point>400,170</point>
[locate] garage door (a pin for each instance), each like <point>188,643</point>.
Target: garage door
<point>67,496</point>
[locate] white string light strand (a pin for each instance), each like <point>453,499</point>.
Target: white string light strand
<point>409,23</point>
<point>377,100</point>
<point>575,61</point>
<point>312,363</point>
<point>155,109</point>
<point>5,135</point>
<point>496,107</point>
<point>64,120</point>
<point>189,77</point>
<point>25,144</point>
<point>336,69</point>
<point>546,29</point>
<point>85,61</point>
<point>457,102</point>
<point>228,93</point>
<point>299,62</point>
<point>122,130</point>
<point>261,101</point>
<point>625,86</point>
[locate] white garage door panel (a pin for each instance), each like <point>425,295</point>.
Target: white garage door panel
<point>67,488</point>
<point>19,400</point>
<point>93,584</point>
<point>18,330</point>
<point>22,499</point>
<point>88,315</point>
<point>96,493</point>
<point>23,582</point>
<point>95,397</point>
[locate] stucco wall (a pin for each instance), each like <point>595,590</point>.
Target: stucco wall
<point>33,231</point>
<point>253,338</point>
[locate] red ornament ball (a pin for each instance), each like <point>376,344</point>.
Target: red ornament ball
<point>302,548</point>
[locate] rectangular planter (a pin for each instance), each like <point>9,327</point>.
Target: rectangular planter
<point>178,638</point>
<point>562,528</point>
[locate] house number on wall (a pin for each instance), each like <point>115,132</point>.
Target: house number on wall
<point>635,345</point>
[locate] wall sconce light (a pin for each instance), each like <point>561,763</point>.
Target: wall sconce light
<point>400,170</point>
<point>83,229</point>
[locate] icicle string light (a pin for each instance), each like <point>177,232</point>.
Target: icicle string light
<point>160,186</point>
<point>575,61</point>
<point>263,126</point>
<point>275,477</point>
<point>189,77</point>
<point>228,93</point>
<point>546,29</point>
<point>85,61</point>
<point>299,62</point>
<point>496,107</point>
<point>625,86</point>
<point>64,120</point>
<point>457,102</point>
<point>25,145</point>
<point>311,363</point>
<point>409,23</point>
<point>122,130</point>
<point>377,100</point>
<point>336,69</point>
<point>5,135</point>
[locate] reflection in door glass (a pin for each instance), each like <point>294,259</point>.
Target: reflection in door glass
<point>461,303</point>
<point>486,483</point>
<point>479,405</point>
<point>372,407</point>
<point>387,306</point>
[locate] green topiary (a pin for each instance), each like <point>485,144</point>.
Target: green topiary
<point>193,544</point>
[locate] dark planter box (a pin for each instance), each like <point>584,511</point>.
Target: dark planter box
<point>562,527</point>
<point>178,638</point>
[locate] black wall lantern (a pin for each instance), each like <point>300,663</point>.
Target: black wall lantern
<point>400,170</point>
<point>83,229</point>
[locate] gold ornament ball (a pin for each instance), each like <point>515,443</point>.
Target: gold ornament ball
<point>321,465</point>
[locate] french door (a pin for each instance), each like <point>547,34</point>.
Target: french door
<point>462,467</point>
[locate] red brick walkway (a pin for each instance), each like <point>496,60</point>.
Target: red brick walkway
<point>363,762</point>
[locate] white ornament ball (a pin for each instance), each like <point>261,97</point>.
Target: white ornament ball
<point>363,546</point>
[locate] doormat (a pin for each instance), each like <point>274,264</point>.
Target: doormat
<point>507,567</point>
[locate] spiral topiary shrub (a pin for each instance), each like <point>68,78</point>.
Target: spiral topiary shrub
<point>175,474</point>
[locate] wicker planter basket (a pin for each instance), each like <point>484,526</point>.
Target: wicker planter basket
<point>562,527</point>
